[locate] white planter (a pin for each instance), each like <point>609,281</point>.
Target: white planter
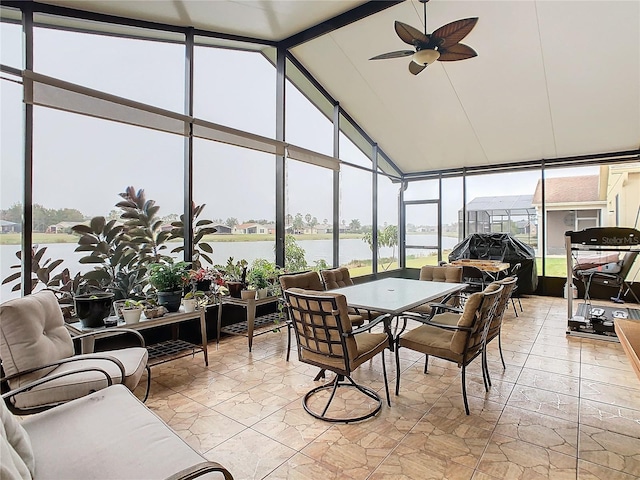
<point>132,315</point>
<point>263,292</point>
<point>247,294</point>
<point>190,304</point>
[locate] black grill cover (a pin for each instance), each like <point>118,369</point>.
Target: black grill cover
<point>504,247</point>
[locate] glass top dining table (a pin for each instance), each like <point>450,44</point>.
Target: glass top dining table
<point>396,295</point>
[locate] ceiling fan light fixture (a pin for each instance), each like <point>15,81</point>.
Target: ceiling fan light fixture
<point>426,56</point>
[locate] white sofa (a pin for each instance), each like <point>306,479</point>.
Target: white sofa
<point>107,435</point>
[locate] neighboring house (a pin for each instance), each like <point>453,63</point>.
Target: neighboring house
<point>245,228</point>
<point>10,227</point>
<point>62,227</point>
<point>622,183</point>
<point>221,228</point>
<point>571,204</point>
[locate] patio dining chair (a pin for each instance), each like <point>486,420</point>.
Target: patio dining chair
<point>456,337</point>
<point>326,339</point>
<point>442,273</point>
<point>340,277</point>
<point>35,344</point>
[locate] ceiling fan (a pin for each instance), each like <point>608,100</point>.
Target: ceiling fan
<point>443,44</point>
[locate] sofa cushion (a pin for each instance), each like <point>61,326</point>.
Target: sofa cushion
<point>15,448</point>
<point>106,435</point>
<point>32,334</point>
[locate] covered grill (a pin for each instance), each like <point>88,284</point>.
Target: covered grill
<point>504,247</point>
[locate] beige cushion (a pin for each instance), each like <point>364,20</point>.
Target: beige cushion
<point>306,280</point>
<point>450,274</point>
<point>107,435</point>
<point>431,341</point>
<point>32,334</point>
<point>69,387</point>
<point>336,278</point>
<point>16,453</point>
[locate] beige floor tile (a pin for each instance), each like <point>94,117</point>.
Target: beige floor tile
<point>610,417</point>
<point>411,462</point>
<point>592,471</point>
<point>301,467</point>
<point>251,406</point>
<point>549,381</point>
<point>506,457</point>
<point>610,394</point>
<point>250,455</point>
<point>552,365</point>
<point>353,449</point>
<point>545,402</point>
<point>614,376</point>
<point>610,449</point>
<point>543,430</point>
<point>460,442</point>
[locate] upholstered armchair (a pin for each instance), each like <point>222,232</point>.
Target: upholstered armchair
<point>340,277</point>
<point>326,338</point>
<point>456,337</point>
<point>442,273</point>
<point>35,344</point>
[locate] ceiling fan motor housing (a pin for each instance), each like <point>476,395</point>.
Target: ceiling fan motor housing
<point>426,56</point>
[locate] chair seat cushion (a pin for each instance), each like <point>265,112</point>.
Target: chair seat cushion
<point>356,319</point>
<point>16,452</point>
<point>369,345</point>
<point>107,435</point>
<point>431,341</point>
<point>70,387</point>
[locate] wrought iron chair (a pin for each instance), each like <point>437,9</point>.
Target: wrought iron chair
<point>35,344</point>
<point>513,272</point>
<point>326,339</point>
<point>455,337</point>
<point>495,326</point>
<point>442,273</point>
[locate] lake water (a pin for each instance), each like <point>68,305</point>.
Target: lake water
<point>350,249</point>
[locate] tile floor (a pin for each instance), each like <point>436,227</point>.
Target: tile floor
<point>564,408</point>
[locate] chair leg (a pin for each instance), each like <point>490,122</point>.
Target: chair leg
<point>288,340</point>
<point>485,371</point>
<point>397,367</point>
<point>146,395</point>
<point>519,303</point>
<point>513,303</point>
<point>386,384</point>
<point>504,367</point>
<point>426,363</point>
<point>464,391</point>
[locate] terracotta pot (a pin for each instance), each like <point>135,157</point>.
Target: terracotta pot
<point>247,294</point>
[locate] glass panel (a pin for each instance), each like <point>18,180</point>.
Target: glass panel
<point>240,199</point>
<point>77,177</point>
<point>422,231</point>
<point>309,210</point>
<point>422,190</point>
<point>306,126</point>
<point>451,204</point>
<point>11,180</point>
<point>388,222</point>
<point>235,88</point>
<point>355,212</point>
<point>570,194</point>
<point>11,38</point>
<point>351,139</point>
<point>146,71</point>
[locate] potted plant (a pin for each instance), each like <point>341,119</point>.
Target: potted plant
<point>93,308</point>
<point>194,300</point>
<point>131,311</point>
<point>259,280</point>
<point>169,280</point>
<point>235,276</point>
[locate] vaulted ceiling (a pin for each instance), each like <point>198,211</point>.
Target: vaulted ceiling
<point>552,79</point>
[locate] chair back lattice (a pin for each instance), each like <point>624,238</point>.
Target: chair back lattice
<point>336,278</point>
<point>320,322</point>
<point>482,308</point>
<point>508,284</point>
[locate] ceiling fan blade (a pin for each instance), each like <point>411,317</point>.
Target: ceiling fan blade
<point>410,35</point>
<point>459,51</point>
<point>415,69</point>
<point>396,54</point>
<point>453,32</point>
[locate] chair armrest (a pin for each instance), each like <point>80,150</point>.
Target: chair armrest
<point>445,306</point>
<point>69,360</point>
<point>449,327</point>
<point>40,381</point>
<point>369,325</point>
<point>108,332</point>
<point>200,469</point>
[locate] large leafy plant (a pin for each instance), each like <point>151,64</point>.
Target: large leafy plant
<point>201,249</point>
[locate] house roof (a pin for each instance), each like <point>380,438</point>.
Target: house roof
<point>540,87</point>
<point>7,223</point>
<point>580,189</point>
<point>503,205</point>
